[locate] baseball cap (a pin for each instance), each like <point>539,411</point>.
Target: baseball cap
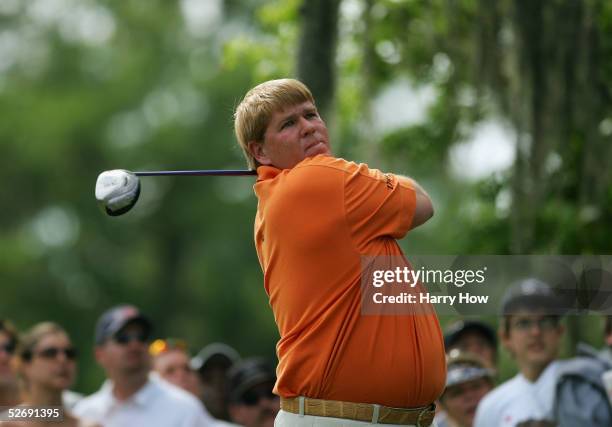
<point>456,330</point>
<point>214,353</point>
<point>115,318</point>
<point>248,373</point>
<point>531,294</point>
<point>163,345</point>
<point>463,367</point>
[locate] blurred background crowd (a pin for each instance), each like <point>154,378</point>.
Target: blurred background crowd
<point>500,109</point>
<point>158,382</point>
<point>155,382</point>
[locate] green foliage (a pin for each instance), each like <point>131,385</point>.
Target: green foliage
<point>267,50</point>
<point>139,90</point>
<point>150,96</point>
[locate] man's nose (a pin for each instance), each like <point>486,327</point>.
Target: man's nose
<point>306,126</point>
<point>535,328</point>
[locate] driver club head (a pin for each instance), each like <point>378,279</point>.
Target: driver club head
<point>117,191</point>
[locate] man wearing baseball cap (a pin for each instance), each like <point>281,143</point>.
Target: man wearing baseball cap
<point>171,362</point>
<point>252,403</point>
<point>531,331</point>
<point>546,391</point>
<point>211,364</point>
<point>468,380</point>
<point>130,396</point>
<point>472,336</point>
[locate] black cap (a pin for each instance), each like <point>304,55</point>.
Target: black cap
<point>458,329</point>
<point>531,294</point>
<point>216,353</point>
<point>248,373</point>
<point>116,318</point>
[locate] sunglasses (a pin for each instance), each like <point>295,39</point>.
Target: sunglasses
<point>252,397</point>
<point>125,338</point>
<point>52,353</point>
<point>8,348</point>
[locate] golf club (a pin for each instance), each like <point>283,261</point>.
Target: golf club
<point>117,191</point>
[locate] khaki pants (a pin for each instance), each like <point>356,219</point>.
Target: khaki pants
<point>287,419</point>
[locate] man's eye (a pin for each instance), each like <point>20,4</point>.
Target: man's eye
<point>311,115</point>
<point>287,124</point>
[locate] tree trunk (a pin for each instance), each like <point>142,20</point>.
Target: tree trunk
<point>317,50</point>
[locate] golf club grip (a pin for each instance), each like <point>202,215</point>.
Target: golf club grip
<point>211,172</point>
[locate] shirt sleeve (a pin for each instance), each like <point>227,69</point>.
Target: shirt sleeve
<point>378,204</point>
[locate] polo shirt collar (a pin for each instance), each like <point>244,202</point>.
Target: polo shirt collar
<point>270,172</point>
<point>141,398</point>
<point>267,172</point>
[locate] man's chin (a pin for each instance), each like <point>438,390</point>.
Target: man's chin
<point>134,368</point>
<point>318,149</point>
<point>541,359</point>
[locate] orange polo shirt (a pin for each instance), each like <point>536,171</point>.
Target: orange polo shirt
<point>314,224</point>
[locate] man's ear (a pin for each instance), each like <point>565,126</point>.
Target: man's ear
<point>257,150</point>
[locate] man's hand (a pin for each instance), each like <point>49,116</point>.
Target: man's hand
<point>424,208</point>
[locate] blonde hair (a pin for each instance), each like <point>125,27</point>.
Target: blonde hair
<point>253,114</point>
<point>28,342</point>
<point>34,335</point>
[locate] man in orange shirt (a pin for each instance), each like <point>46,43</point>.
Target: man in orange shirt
<point>320,221</point>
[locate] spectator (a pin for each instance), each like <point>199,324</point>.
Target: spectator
<point>46,365</point>
<point>171,362</point>
<point>546,391</point>
<point>212,364</point>
<point>475,337</point>
<point>130,397</point>
<point>252,403</point>
<point>468,380</point>
<point>9,393</point>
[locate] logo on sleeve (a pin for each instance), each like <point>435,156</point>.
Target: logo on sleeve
<point>389,181</point>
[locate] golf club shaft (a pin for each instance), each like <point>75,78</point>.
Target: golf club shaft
<point>213,172</point>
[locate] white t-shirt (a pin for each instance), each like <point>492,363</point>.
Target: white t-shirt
<point>519,400</point>
<point>157,403</point>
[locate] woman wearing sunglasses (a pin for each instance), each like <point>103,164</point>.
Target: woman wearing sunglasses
<point>46,365</point>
